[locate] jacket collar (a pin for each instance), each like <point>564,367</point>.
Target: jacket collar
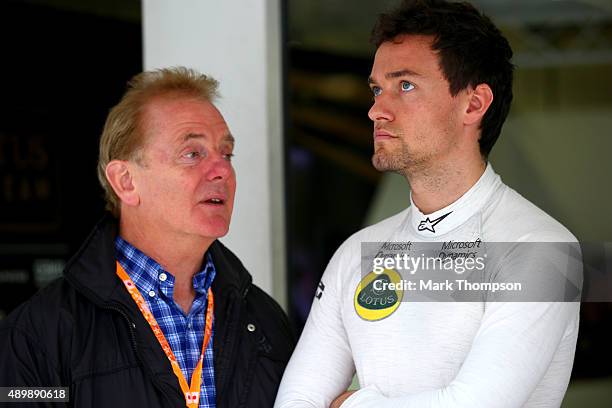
<point>92,269</point>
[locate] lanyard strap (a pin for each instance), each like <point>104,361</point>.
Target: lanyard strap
<point>191,393</point>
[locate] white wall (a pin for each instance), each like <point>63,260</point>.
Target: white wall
<point>237,43</point>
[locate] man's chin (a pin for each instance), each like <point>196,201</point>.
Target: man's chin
<point>216,231</point>
<point>213,228</point>
<point>382,162</point>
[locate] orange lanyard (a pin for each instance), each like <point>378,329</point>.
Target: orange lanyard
<point>191,393</point>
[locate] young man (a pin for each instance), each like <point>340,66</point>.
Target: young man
<point>442,86</point>
<point>153,310</point>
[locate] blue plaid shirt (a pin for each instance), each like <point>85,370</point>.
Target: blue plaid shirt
<point>185,333</point>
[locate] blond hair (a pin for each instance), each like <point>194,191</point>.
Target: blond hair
<point>122,136</point>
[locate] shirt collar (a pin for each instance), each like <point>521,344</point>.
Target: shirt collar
<point>148,275</point>
<point>450,217</point>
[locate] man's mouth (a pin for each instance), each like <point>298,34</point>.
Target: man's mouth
<point>382,134</point>
<point>216,201</point>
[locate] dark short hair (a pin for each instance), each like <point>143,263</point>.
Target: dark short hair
<point>471,51</point>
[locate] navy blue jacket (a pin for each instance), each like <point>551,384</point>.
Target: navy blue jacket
<point>84,331</point>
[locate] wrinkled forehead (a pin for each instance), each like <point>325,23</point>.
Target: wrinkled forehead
<point>178,116</point>
<point>175,105</point>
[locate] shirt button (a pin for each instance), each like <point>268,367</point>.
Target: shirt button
<point>163,277</point>
<point>152,293</point>
<point>251,327</point>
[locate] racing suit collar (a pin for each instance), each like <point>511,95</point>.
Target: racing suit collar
<point>450,217</point>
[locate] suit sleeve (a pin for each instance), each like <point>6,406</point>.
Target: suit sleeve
<point>321,367</point>
<point>509,357</point>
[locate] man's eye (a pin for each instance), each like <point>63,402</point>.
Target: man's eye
<point>228,156</point>
<point>376,90</point>
<point>191,155</point>
<point>407,86</point>
<point>194,154</point>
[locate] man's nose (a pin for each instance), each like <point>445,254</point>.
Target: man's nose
<point>220,168</point>
<point>380,110</point>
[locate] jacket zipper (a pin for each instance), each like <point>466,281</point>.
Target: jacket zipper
<point>131,327</point>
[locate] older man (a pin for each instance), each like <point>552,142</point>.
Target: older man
<point>153,310</point>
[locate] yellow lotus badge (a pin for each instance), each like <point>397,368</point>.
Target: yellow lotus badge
<point>374,300</point>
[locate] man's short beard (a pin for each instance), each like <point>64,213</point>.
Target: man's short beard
<point>399,161</point>
<point>386,160</point>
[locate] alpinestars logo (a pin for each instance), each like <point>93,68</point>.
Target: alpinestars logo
<point>428,225</point>
<point>320,290</point>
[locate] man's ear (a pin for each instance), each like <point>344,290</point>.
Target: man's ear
<point>120,178</point>
<point>480,98</point>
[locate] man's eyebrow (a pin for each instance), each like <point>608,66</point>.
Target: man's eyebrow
<point>401,73</point>
<point>396,74</point>
<point>190,136</point>
<point>227,138</point>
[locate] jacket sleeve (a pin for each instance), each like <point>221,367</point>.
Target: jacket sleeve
<point>321,367</point>
<point>24,360</point>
